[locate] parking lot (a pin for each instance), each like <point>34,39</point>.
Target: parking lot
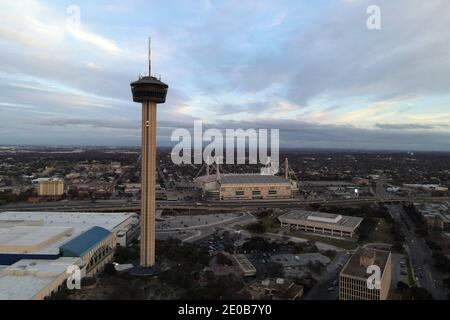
<point>399,269</point>
<point>219,241</point>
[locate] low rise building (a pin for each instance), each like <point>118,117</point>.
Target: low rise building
<point>360,181</point>
<point>38,248</point>
<point>276,289</point>
<point>427,187</point>
<point>247,268</point>
<point>321,222</point>
<point>51,187</point>
<point>437,215</point>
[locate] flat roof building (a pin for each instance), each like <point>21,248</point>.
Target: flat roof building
<point>353,277</point>
<point>276,289</point>
<point>437,215</point>
<point>37,248</point>
<point>34,279</point>
<point>51,187</point>
<point>247,268</point>
<point>321,222</point>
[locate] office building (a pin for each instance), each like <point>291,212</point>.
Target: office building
<point>353,277</point>
<point>321,222</point>
<point>51,187</point>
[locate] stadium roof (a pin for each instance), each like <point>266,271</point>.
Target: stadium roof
<point>253,179</point>
<point>77,247</point>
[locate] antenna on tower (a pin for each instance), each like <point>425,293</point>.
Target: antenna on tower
<point>150,56</point>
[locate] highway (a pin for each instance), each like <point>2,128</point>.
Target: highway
<point>127,206</point>
<point>423,269</point>
<point>426,274</point>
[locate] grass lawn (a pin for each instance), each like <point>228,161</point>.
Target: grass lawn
<point>411,280</point>
<point>271,223</point>
<point>381,234</point>
<point>344,244</point>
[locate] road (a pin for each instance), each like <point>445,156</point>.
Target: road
<point>204,230</point>
<point>427,276</point>
<point>211,224</point>
<point>320,290</point>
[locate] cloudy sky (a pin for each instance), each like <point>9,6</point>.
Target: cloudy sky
<point>309,68</point>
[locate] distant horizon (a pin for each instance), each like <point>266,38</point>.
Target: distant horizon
<point>137,147</point>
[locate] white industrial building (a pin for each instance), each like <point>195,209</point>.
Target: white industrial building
<point>321,222</point>
<point>37,248</point>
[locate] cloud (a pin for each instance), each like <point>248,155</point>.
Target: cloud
<point>404,126</point>
<point>410,126</point>
<point>255,62</point>
<point>333,57</point>
<point>102,43</point>
<point>108,124</point>
<point>293,134</point>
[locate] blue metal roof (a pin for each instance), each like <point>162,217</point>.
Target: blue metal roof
<point>80,245</point>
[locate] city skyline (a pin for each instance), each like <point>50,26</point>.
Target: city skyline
<point>312,70</point>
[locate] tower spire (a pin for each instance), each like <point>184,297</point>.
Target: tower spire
<point>149,56</point>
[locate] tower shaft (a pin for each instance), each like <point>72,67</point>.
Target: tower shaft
<point>148,183</point>
<point>286,169</point>
<point>148,91</point>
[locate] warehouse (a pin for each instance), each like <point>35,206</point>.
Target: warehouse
<point>321,222</point>
<point>253,187</point>
<point>37,248</point>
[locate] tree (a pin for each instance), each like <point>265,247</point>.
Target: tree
<point>402,286</point>
<point>274,270</point>
<point>110,269</point>
<point>259,244</point>
<point>447,282</point>
<point>223,260</point>
<point>316,266</point>
<point>330,253</point>
<point>420,294</point>
<point>125,255</point>
<point>256,227</point>
<point>366,228</point>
